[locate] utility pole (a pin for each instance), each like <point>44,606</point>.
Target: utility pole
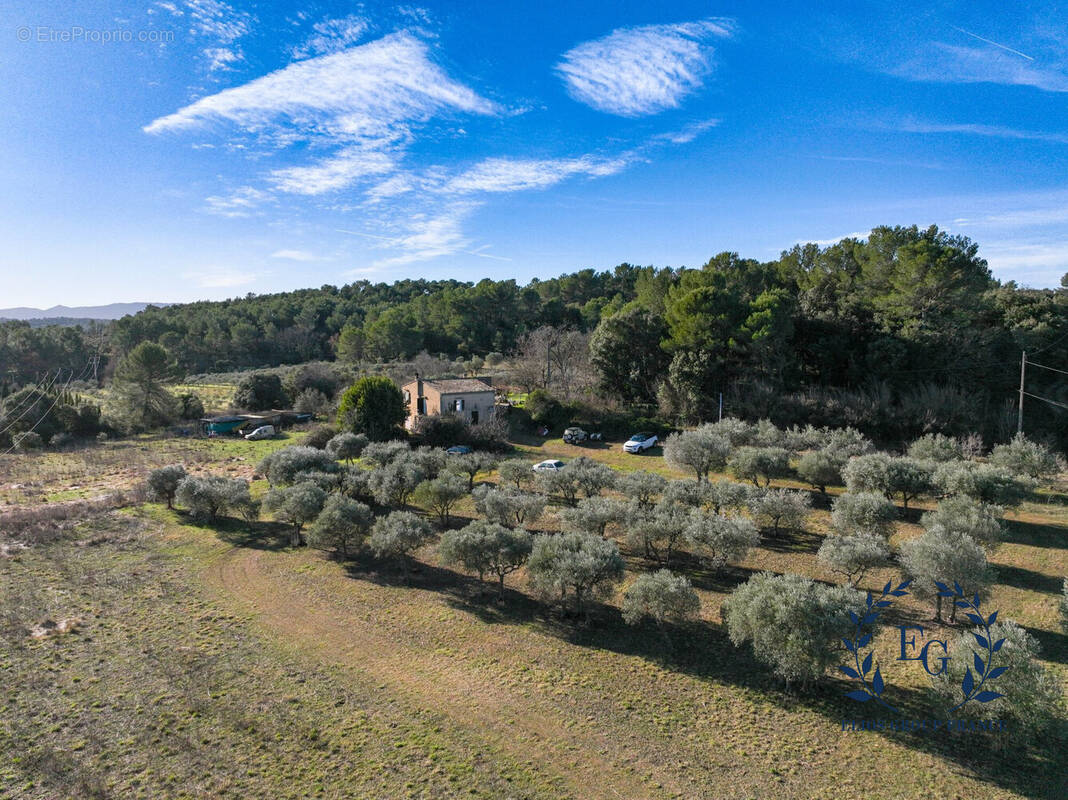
<point>1019,412</point>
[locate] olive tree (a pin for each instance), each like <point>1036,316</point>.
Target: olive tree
<point>964,516</point>
<point>397,534</point>
<point>470,464</point>
<point>699,451</point>
<point>661,596</point>
<point>794,624</point>
<point>356,484</point>
<point>517,471</point>
<point>212,495</point>
<point>441,494</point>
<point>487,547</point>
<point>282,466</point>
<point>935,447</point>
<point>342,526</point>
<point>910,479</point>
<point>844,442</point>
<point>430,461</point>
<point>508,506</point>
<point>660,533</point>
<point>780,508</point>
<point>820,469</point>
<point>394,483</point>
<point>594,514</point>
<point>327,481</point>
<point>985,482</point>
<point>381,454</point>
<point>852,555</point>
<point>725,495</point>
<point>737,432</point>
<point>295,505</point>
<point>687,494</point>
<point>720,539</point>
<point>163,482</point>
<point>575,566</point>
<point>642,487</point>
<point>1031,694</point>
<point>868,473</point>
<point>863,512</point>
<point>1021,456</point>
<point>347,446</point>
<point>941,557</point>
<point>759,464</point>
<point>561,482</point>
<point>592,476</point>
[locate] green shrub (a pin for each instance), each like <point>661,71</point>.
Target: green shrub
<point>662,597</point>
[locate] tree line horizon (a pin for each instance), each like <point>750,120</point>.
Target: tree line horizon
<point>907,331</point>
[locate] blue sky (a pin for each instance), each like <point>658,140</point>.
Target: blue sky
<point>187,149</point>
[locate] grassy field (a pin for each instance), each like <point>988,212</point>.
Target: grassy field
<point>219,663</point>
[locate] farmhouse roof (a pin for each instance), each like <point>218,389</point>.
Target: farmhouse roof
<point>459,385</point>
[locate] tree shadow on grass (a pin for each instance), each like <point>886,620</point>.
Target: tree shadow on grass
<point>1054,646</point>
<point>1028,579</point>
<point>1035,535</point>
<point>1032,766</point>
<point>272,536</point>
<point>790,541</point>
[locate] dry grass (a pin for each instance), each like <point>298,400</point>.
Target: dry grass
<point>218,663</point>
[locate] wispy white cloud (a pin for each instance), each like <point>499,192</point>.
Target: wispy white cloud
<point>516,174</point>
<point>998,131</point>
<point>240,203</point>
<point>336,172</point>
<point>633,72</point>
<point>687,133</point>
<point>294,255</point>
<point>222,57</point>
<point>429,235</point>
<point>361,92</point>
<point>938,62</point>
<point>349,119</point>
<point>426,236</point>
<point>217,22</point>
<point>332,35</point>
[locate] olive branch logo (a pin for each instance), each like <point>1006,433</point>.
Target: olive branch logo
<point>972,685</point>
<point>861,639</point>
<point>970,689</point>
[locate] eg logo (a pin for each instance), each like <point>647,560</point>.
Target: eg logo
<point>924,655</point>
<point>933,655</point>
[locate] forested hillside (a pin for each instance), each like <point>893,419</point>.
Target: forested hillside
<point>906,329</point>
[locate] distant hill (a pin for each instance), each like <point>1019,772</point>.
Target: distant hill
<point>111,311</point>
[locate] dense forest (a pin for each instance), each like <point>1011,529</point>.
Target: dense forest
<point>906,331</point>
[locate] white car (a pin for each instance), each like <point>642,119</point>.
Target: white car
<point>262,432</point>
<point>552,465</point>
<point>640,442</point>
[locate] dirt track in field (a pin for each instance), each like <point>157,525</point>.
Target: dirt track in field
<point>580,760</point>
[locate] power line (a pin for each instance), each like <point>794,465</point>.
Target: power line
<point>36,400</point>
<point>59,394</point>
<point>1047,400</point>
<point>1043,366</point>
<point>30,398</point>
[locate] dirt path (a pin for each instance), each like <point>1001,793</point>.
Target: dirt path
<point>527,725</point>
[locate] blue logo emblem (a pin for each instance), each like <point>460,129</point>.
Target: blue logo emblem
<point>933,655</point>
